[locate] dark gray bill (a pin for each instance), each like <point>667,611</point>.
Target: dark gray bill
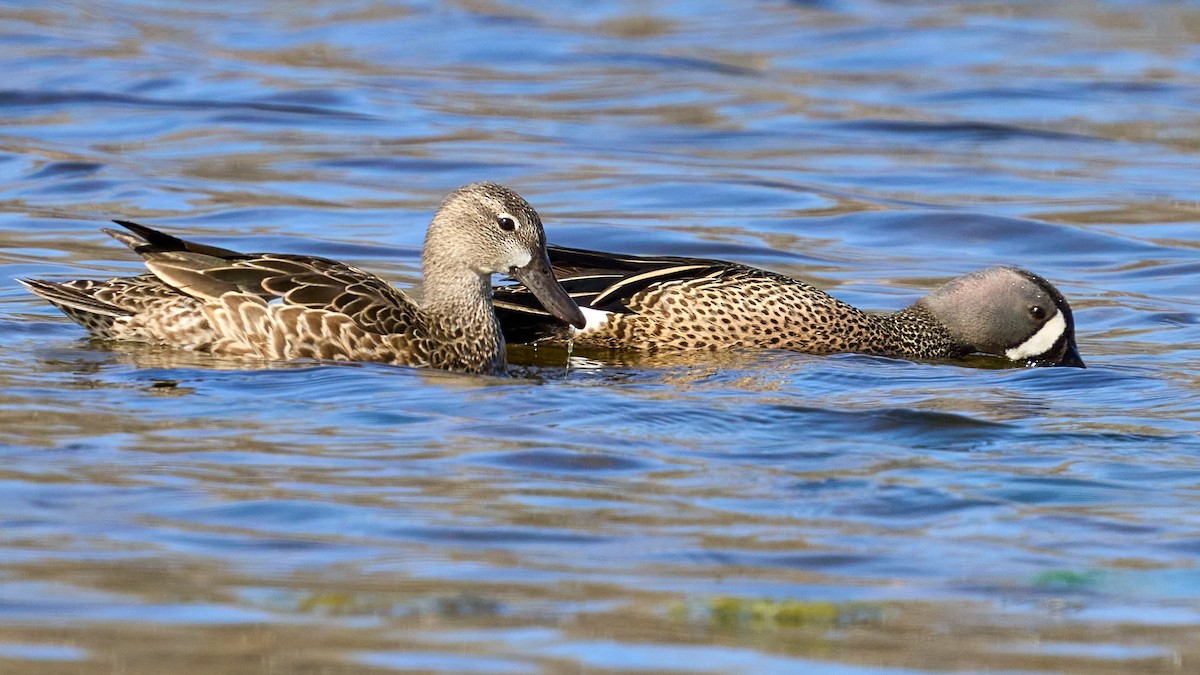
<point>1070,355</point>
<point>539,279</point>
<point>1064,353</point>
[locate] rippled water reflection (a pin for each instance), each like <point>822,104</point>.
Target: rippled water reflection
<point>748,512</point>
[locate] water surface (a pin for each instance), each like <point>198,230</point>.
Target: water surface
<point>766,512</point>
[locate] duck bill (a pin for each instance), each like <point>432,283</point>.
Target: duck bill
<point>539,279</point>
<point>1070,356</point>
<point>1064,354</point>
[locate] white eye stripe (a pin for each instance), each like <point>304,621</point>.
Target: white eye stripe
<point>1042,341</point>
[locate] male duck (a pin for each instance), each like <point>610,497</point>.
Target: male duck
<point>671,303</point>
<point>280,306</point>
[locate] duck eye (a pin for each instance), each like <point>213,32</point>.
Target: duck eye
<point>1037,312</point>
<point>506,223</point>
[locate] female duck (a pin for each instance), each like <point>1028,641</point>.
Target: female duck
<point>670,303</point>
<point>279,306</point>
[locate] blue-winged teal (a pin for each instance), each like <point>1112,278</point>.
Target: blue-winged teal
<point>670,303</point>
<point>279,306</point>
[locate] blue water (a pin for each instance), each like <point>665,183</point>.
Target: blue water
<point>743,512</point>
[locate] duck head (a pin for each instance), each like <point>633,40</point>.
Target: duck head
<point>486,229</point>
<point>1008,312</point>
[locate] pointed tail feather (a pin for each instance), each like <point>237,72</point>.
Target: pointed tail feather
<point>149,240</point>
<point>67,297</point>
<point>129,240</point>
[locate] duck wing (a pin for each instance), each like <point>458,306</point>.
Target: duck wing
<point>215,275</point>
<point>605,282</point>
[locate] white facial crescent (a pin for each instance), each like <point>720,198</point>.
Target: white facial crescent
<point>1041,342</point>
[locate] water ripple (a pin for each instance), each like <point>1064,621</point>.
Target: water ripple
<point>14,98</point>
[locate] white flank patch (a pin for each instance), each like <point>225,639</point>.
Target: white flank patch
<point>1041,342</point>
<point>594,318</point>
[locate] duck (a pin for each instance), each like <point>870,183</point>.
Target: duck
<point>281,307</point>
<point>690,304</point>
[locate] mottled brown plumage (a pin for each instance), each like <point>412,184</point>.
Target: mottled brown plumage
<point>281,307</point>
<point>675,303</point>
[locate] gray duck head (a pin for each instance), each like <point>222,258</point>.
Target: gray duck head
<point>486,229</point>
<point>1008,312</point>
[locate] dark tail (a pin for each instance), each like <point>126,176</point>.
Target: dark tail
<point>149,240</point>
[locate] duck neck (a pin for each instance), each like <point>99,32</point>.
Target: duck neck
<point>912,333</point>
<point>462,329</point>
